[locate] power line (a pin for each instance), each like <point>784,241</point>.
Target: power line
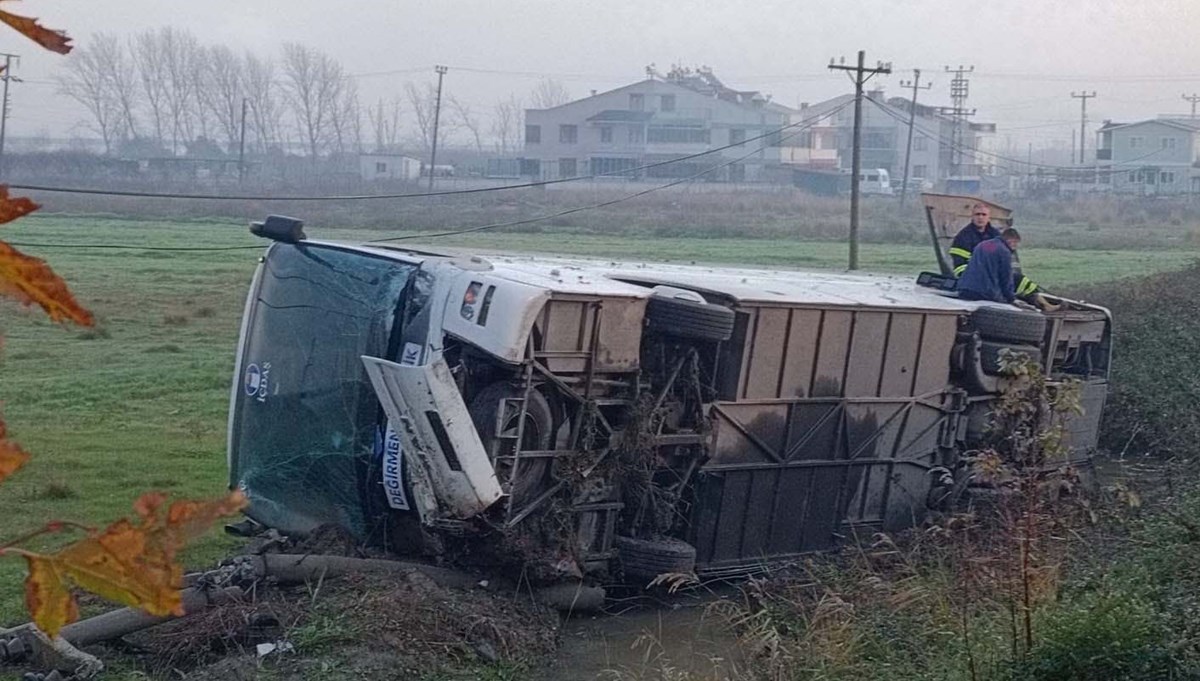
<point>1083,97</point>
<point>127,247</point>
<point>797,129</point>
<point>861,75</point>
<point>951,143</point>
<point>409,195</point>
<point>603,204</point>
<point>915,84</point>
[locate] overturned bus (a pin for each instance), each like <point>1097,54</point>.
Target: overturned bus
<point>577,418</point>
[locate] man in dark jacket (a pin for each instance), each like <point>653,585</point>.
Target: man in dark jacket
<point>989,274</point>
<point>979,230</point>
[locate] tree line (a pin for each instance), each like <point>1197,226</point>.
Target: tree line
<point>163,92</point>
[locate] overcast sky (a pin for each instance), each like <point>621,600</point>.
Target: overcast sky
<point>1140,56</point>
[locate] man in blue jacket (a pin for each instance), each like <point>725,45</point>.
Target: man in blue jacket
<point>980,229</point>
<point>989,273</point>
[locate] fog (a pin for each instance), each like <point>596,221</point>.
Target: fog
<point>1140,57</point>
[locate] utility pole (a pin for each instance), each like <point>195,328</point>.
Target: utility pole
<point>960,87</point>
<point>5,75</point>
<point>437,113</point>
<point>861,75</point>
<point>915,84</point>
<point>242,146</point>
<point>1083,97</point>
<point>1193,99</point>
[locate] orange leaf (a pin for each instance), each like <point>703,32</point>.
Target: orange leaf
<point>46,595</point>
<point>130,562</point>
<point>11,209</point>
<point>12,456</point>
<point>30,280</point>
<point>55,41</point>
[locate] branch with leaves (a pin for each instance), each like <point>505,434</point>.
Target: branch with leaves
<point>133,562</point>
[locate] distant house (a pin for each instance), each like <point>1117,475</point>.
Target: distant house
<point>388,167</point>
<point>827,140</point>
<point>658,119</point>
<point>1155,156</point>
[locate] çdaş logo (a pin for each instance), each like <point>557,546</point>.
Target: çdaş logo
<point>255,382</point>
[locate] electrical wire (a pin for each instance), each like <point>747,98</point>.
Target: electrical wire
<point>799,127</point>
<point>127,247</point>
<point>960,147</point>
<point>603,204</point>
<point>409,195</point>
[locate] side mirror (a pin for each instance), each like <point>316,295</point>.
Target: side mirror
<point>279,228</point>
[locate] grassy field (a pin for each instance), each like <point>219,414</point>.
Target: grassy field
<point>139,402</point>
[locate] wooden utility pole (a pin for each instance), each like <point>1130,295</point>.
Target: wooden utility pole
<point>915,84</point>
<point>5,75</point>
<point>1083,97</point>
<point>1193,99</point>
<point>437,113</point>
<point>861,74</point>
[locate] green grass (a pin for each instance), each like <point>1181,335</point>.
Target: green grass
<point>139,403</point>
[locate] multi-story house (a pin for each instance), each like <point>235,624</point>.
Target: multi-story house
<point>827,143</point>
<point>655,120</point>
<point>1155,156</point>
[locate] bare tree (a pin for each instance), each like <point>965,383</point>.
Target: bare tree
<point>423,102</point>
<point>152,77</point>
<point>199,116</point>
<point>508,118</point>
<point>467,119</point>
<point>85,81</point>
<point>181,51</point>
<point>313,81</point>
<point>345,115</point>
<point>385,123</point>
<point>265,108</point>
<point>168,61</point>
<point>120,79</point>
<point>549,93</point>
<point>223,92</point>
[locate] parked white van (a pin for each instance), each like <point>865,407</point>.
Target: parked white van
<point>875,181</point>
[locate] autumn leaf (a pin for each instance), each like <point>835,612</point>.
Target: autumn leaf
<point>46,594</point>
<point>30,280</point>
<point>55,41</point>
<point>12,456</point>
<point>11,209</point>
<point>129,562</point>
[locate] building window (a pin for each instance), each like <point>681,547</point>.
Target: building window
<point>668,103</point>
<point>606,134</point>
<point>737,135</point>
<point>920,143</point>
<point>1133,176</point>
<point>380,167</point>
<point>637,102</point>
<point>533,134</point>
<point>1135,142</point>
<point>919,172</point>
<point>1168,143</point>
<point>566,167</point>
<point>677,135</point>
<point>635,135</point>
<point>568,134</point>
<point>1166,177</point>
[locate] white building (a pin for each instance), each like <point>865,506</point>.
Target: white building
<point>1156,156</point>
<point>388,167</point>
<point>657,119</point>
<point>827,143</point>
